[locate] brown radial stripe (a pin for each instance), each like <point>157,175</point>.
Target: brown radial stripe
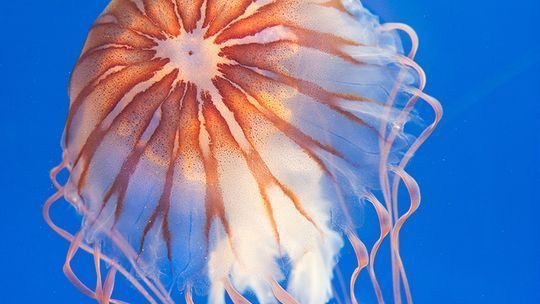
<point>214,200</point>
<point>163,147</point>
<point>268,56</point>
<point>190,13</point>
<point>130,17</point>
<point>290,131</point>
<point>188,139</point>
<point>219,13</point>
<point>256,165</point>
<point>254,84</point>
<point>253,55</point>
<point>111,90</point>
<point>324,42</point>
<point>321,95</point>
<point>272,51</point>
<point>132,120</point>
<point>163,13</point>
<point>245,113</point>
<point>94,64</point>
<point>135,118</point>
<point>267,16</point>
<point>114,34</point>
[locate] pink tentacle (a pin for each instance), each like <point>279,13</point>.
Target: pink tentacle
<point>109,286</point>
<point>189,296</point>
<point>68,271</point>
<point>281,294</point>
<point>362,258</point>
<point>385,226</point>
<point>97,265</point>
<point>406,29</point>
<point>385,146</point>
<point>414,194</point>
<point>236,297</point>
<point>70,238</point>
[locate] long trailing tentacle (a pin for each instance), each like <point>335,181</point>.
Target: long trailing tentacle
<point>414,194</point>
<point>236,297</point>
<point>390,192</point>
<point>281,294</point>
<point>362,258</point>
<point>189,296</point>
<point>75,245</point>
<point>385,226</point>
<point>75,240</point>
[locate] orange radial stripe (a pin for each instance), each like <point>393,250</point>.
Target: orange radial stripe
<point>114,34</point>
<point>163,13</point>
<point>94,64</point>
<point>238,104</point>
<point>161,144</point>
<point>190,13</point>
<point>130,17</point>
<point>247,115</point>
<point>267,56</point>
<point>189,124</point>
<point>218,141</point>
<point>219,13</point>
<point>324,42</point>
<point>136,118</point>
<point>254,84</point>
<point>111,90</point>
<point>267,16</point>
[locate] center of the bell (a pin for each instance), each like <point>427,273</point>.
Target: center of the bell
<point>195,57</point>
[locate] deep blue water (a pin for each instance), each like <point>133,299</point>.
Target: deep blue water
<point>476,238</point>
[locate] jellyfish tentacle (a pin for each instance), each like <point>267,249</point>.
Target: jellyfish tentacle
<point>108,286</point>
<point>70,238</point>
<point>414,194</point>
<point>413,36</point>
<point>54,173</point>
<point>362,258</point>
<point>236,297</point>
<point>188,295</point>
<point>281,294</point>
<point>390,191</point>
<point>385,226</point>
<point>68,271</point>
<point>97,266</point>
<point>437,108</point>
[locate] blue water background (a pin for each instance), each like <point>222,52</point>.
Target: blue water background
<point>476,237</point>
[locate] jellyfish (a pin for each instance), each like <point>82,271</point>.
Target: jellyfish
<point>229,149</point>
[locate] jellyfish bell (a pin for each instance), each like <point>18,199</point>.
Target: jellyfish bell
<point>226,147</point>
